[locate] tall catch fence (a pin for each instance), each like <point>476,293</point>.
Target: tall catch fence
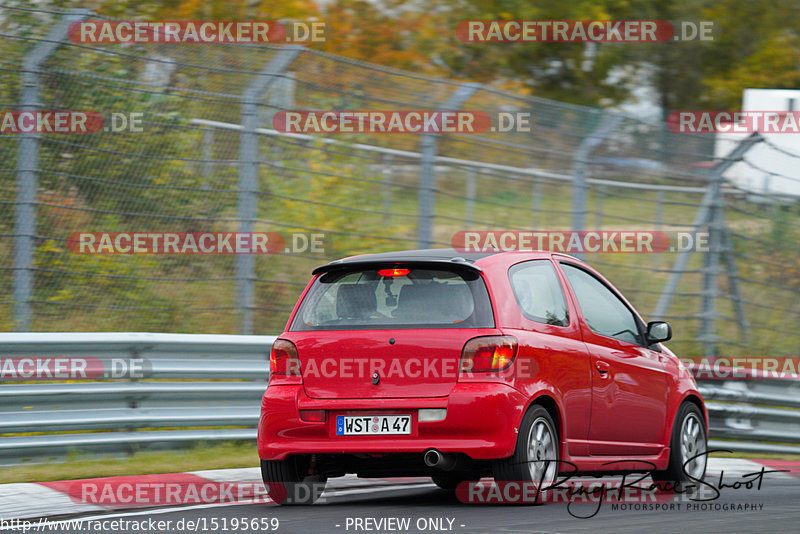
<point>209,160</point>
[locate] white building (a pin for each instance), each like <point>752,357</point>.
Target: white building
<point>772,171</point>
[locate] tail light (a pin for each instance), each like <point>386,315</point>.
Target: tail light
<point>488,353</point>
<point>283,360</point>
<point>313,416</point>
<point>393,272</point>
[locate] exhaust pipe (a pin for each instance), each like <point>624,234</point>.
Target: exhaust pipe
<point>440,460</point>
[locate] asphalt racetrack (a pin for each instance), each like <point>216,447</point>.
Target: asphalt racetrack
<point>422,507</point>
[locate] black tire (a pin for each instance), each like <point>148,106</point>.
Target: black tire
<point>518,466</point>
<point>688,440</point>
<point>449,481</point>
<point>287,482</point>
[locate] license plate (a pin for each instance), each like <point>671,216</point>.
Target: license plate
<point>372,425</point>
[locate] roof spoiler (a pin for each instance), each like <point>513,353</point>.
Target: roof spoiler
<point>456,263</point>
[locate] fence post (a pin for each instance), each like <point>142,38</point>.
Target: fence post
<point>720,250</point>
<point>601,195</point>
<point>536,203</point>
<point>659,222</point>
<point>247,209</point>
<point>580,161</point>
<point>469,211</point>
<point>427,172</point>
<point>27,168</point>
<point>733,278</point>
<point>388,182</point>
<point>208,155</point>
<point>710,271</point>
<point>709,214</point>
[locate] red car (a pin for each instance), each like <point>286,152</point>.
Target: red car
<point>459,366</point>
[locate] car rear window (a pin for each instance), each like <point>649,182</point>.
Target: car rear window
<point>395,297</point>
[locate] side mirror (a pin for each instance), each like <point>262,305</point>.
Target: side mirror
<point>658,331</point>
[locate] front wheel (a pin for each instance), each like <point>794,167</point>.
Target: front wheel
<point>288,481</point>
<point>688,446</point>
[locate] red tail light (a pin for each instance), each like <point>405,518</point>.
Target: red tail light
<point>393,272</point>
<point>283,360</point>
<point>488,353</point>
<point>313,416</point>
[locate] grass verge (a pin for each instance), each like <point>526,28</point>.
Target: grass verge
<point>216,456</point>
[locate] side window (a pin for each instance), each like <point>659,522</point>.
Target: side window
<point>538,292</point>
<point>604,312</point>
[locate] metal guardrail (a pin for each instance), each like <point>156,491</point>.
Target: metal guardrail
<point>192,388</point>
<point>198,388</point>
<point>753,415</point>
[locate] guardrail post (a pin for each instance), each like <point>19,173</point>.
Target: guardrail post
<point>247,210</point>
<point>28,166</point>
<point>427,172</point>
<point>580,162</point>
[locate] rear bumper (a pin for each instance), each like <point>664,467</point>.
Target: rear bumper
<point>482,422</point>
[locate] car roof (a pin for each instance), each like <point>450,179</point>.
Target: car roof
<point>431,256</point>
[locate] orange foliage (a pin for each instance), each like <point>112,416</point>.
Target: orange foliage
<point>63,211</point>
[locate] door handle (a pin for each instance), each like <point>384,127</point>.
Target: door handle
<point>602,367</point>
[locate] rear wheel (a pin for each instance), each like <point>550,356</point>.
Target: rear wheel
<point>288,480</point>
<point>688,446</point>
<point>536,456</point>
